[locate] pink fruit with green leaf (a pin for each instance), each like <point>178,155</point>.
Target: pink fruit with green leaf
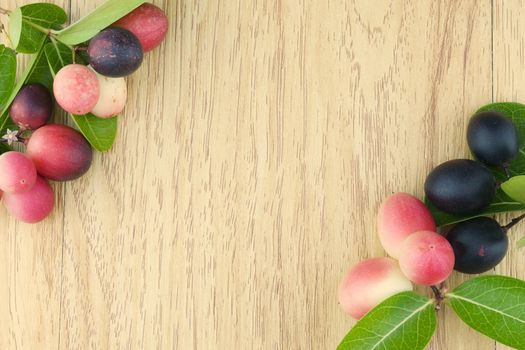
<point>369,283</point>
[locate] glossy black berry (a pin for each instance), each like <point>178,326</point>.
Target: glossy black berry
<point>493,138</point>
<point>32,107</point>
<point>479,245</point>
<point>115,52</point>
<point>460,186</point>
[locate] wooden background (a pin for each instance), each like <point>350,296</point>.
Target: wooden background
<point>256,147</point>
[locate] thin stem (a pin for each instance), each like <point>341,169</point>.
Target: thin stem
<point>438,294</point>
<point>506,170</point>
<point>46,31</point>
<point>513,222</point>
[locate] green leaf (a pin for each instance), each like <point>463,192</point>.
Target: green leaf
<point>15,26</point>
<point>100,133</point>
<point>404,321</point>
<point>494,306</point>
<point>515,188</point>
<point>502,203</point>
<point>102,17</point>
<point>4,148</point>
<point>58,55</point>
<point>30,25</point>
<point>7,74</point>
<point>37,71</point>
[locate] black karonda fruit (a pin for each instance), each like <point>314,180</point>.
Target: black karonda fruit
<point>493,138</point>
<point>460,186</point>
<point>115,52</point>
<point>479,244</point>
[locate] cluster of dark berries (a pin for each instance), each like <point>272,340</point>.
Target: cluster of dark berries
<point>58,152</point>
<point>408,233</point>
<point>466,187</point>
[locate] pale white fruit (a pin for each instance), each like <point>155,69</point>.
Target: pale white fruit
<point>113,96</point>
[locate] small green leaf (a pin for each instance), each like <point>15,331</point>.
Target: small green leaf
<point>100,133</point>
<point>404,321</point>
<point>102,17</point>
<point>494,306</point>
<point>4,148</point>
<point>30,25</point>
<point>7,74</point>
<point>502,203</point>
<point>15,26</point>
<point>515,188</point>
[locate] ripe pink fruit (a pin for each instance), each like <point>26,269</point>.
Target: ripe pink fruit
<point>76,89</point>
<point>426,258</point>
<point>400,215</point>
<point>149,24</point>
<point>32,206</point>
<point>59,152</point>
<point>369,283</point>
<point>17,172</point>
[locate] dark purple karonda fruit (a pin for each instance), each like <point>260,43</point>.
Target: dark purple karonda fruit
<point>115,52</point>
<point>32,107</point>
<point>60,153</point>
<point>460,186</point>
<point>493,138</point>
<point>479,245</point>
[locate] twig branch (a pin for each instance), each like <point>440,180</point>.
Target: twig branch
<point>514,222</point>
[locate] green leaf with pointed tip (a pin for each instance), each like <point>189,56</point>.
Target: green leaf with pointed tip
<point>404,321</point>
<point>100,133</point>
<point>7,74</point>
<point>15,26</point>
<point>494,306</point>
<point>515,188</point>
<point>502,203</point>
<point>37,71</point>
<point>102,17</point>
<point>30,24</point>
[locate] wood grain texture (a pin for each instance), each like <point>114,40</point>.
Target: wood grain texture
<point>256,147</point>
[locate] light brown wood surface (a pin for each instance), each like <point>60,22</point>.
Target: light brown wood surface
<point>256,147</point>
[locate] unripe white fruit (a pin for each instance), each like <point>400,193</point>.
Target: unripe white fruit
<point>113,96</point>
<point>369,283</point>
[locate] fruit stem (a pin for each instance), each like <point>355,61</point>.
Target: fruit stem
<point>439,296</point>
<point>513,222</point>
<point>506,170</point>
